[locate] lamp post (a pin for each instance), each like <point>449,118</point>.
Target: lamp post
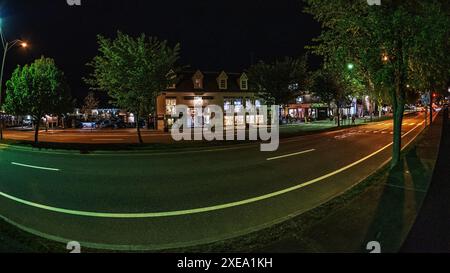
<point>6,47</point>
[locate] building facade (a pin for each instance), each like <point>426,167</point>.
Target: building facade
<point>199,89</point>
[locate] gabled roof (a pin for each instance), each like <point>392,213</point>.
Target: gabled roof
<point>210,81</point>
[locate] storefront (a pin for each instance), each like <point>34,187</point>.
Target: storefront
<point>302,111</point>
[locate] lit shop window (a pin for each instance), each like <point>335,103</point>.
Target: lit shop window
<point>171,106</point>
<point>226,105</point>
<point>240,120</point>
<point>248,104</point>
<point>238,106</point>
<point>198,101</point>
<point>229,121</point>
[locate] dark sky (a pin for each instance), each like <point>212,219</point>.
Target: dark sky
<point>214,34</point>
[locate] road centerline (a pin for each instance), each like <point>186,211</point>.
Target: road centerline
<point>35,167</point>
<point>290,155</point>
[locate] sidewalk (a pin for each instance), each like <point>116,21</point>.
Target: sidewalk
<point>431,232</point>
<point>383,208</point>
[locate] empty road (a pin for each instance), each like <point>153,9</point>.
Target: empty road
<point>158,200</point>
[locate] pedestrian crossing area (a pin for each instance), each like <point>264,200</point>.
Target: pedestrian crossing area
<point>382,132</point>
<point>387,130</point>
<point>379,129</point>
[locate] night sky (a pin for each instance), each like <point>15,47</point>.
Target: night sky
<point>214,34</point>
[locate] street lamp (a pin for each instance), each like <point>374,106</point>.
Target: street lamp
<point>385,58</point>
<point>6,47</point>
<point>350,66</point>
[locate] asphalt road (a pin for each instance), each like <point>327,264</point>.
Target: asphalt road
<point>144,200</point>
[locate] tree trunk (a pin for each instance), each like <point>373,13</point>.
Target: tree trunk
<point>36,131</point>
<point>339,116</point>
<point>398,121</point>
<point>431,108</point>
<point>139,130</point>
<point>399,99</point>
<point>380,111</point>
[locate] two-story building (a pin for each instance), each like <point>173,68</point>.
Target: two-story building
<point>199,89</point>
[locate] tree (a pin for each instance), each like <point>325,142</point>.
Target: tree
<point>37,89</point>
<point>90,103</point>
<point>331,88</point>
<point>394,44</point>
<point>279,82</point>
<point>134,71</point>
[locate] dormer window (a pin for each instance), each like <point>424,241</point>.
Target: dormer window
<point>243,82</point>
<point>223,84</point>
<point>198,84</point>
<point>172,77</point>
<point>222,81</point>
<point>198,80</point>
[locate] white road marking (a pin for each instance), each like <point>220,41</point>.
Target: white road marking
<point>289,155</point>
<point>204,209</point>
<point>35,167</point>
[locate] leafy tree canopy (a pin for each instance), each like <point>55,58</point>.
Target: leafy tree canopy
<point>133,70</point>
<point>38,89</point>
<point>279,82</point>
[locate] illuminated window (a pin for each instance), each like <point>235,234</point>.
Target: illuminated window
<point>257,103</point>
<point>198,80</point>
<point>171,106</point>
<point>238,106</point>
<point>198,84</point>
<point>198,101</point>
<point>226,105</point>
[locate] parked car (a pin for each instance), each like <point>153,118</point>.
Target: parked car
<point>27,123</point>
<point>120,124</point>
<point>104,124</point>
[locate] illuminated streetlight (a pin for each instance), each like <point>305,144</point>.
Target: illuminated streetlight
<point>385,58</point>
<point>6,47</point>
<point>350,66</point>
